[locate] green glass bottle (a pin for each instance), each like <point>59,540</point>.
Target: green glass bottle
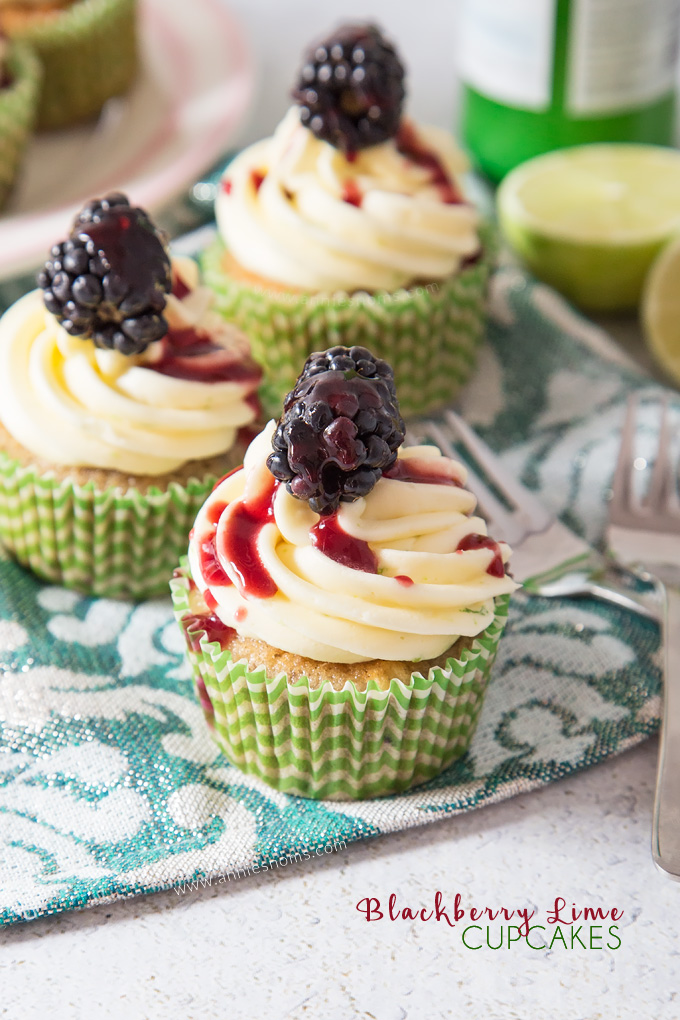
<point>543,74</point>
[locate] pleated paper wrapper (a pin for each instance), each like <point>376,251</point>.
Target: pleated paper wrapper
<point>88,53</point>
<point>429,334</point>
<point>111,542</point>
<point>337,745</point>
<point>18,107</point>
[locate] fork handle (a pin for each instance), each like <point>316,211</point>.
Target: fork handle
<point>666,827</point>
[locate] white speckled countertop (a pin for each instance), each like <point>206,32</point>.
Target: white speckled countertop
<point>292,944</point>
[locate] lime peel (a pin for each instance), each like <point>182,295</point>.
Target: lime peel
<point>661,310</point>
<point>591,219</point>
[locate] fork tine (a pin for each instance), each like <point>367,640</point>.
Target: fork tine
<point>660,510</point>
<point>515,494</point>
<point>661,486</point>
<point>505,525</point>
<point>622,484</point>
<point>510,525</point>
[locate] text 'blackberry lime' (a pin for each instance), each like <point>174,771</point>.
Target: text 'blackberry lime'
<point>108,282</point>
<point>340,429</point>
<point>351,88</point>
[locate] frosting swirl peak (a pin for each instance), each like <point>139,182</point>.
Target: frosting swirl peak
<point>399,574</point>
<point>71,403</point>
<point>297,211</point>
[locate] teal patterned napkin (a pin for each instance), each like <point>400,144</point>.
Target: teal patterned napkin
<point>109,782</point>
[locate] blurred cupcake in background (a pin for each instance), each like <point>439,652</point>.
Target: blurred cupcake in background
<point>87,48</point>
<point>123,399</point>
<point>20,77</point>
<point>350,225</point>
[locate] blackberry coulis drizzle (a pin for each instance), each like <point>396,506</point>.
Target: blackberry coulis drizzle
<point>109,280</point>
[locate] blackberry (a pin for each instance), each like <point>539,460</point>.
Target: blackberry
<point>108,282</point>
<point>351,88</point>
<point>340,429</point>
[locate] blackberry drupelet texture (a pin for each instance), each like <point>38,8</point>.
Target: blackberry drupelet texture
<point>351,88</point>
<point>340,429</point>
<point>108,282</point>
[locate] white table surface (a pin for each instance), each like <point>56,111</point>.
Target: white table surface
<point>291,944</point>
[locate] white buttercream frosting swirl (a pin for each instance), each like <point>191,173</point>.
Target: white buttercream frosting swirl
<point>325,610</point>
<point>70,403</point>
<point>285,212</point>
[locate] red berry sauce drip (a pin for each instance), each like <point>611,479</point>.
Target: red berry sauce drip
<point>215,630</point>
<point>216,509</point>
<point>351,193</point>
<point>496,567</point>
<point>408,469</point>
<point>191,354</point>
<point>206,703</point>
<point>209,564</point>
<point>130,243</point>
<point>238,543</point>
<point>328,537</point>
<point>351,156</point>
<point>404,580</point>
<point>409,145</point>
<point>240,614</point>
<point>179,287</point>
<point>257,177</point>
<point>226,186</point>
<point>344,396</point>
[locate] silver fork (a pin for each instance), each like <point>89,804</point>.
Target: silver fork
<point>547,557</point>
<point>647,532</point>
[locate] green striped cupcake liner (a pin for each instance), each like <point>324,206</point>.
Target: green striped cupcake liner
<point>88,53</point>
<point>109,542</point>
<point>429,334</point>
<point>337,745</point>
<point>18,105</point>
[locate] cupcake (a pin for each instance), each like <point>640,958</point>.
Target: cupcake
<point>19,91</point>
<point>87,48</point>
<point>341,603</point>
<point>350,225</point>
<point>123,398</point>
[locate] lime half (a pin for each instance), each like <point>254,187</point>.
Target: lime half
<point>591,219</point>
<point>661,310</point>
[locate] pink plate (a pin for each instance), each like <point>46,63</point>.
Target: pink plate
<point>191,93</point>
